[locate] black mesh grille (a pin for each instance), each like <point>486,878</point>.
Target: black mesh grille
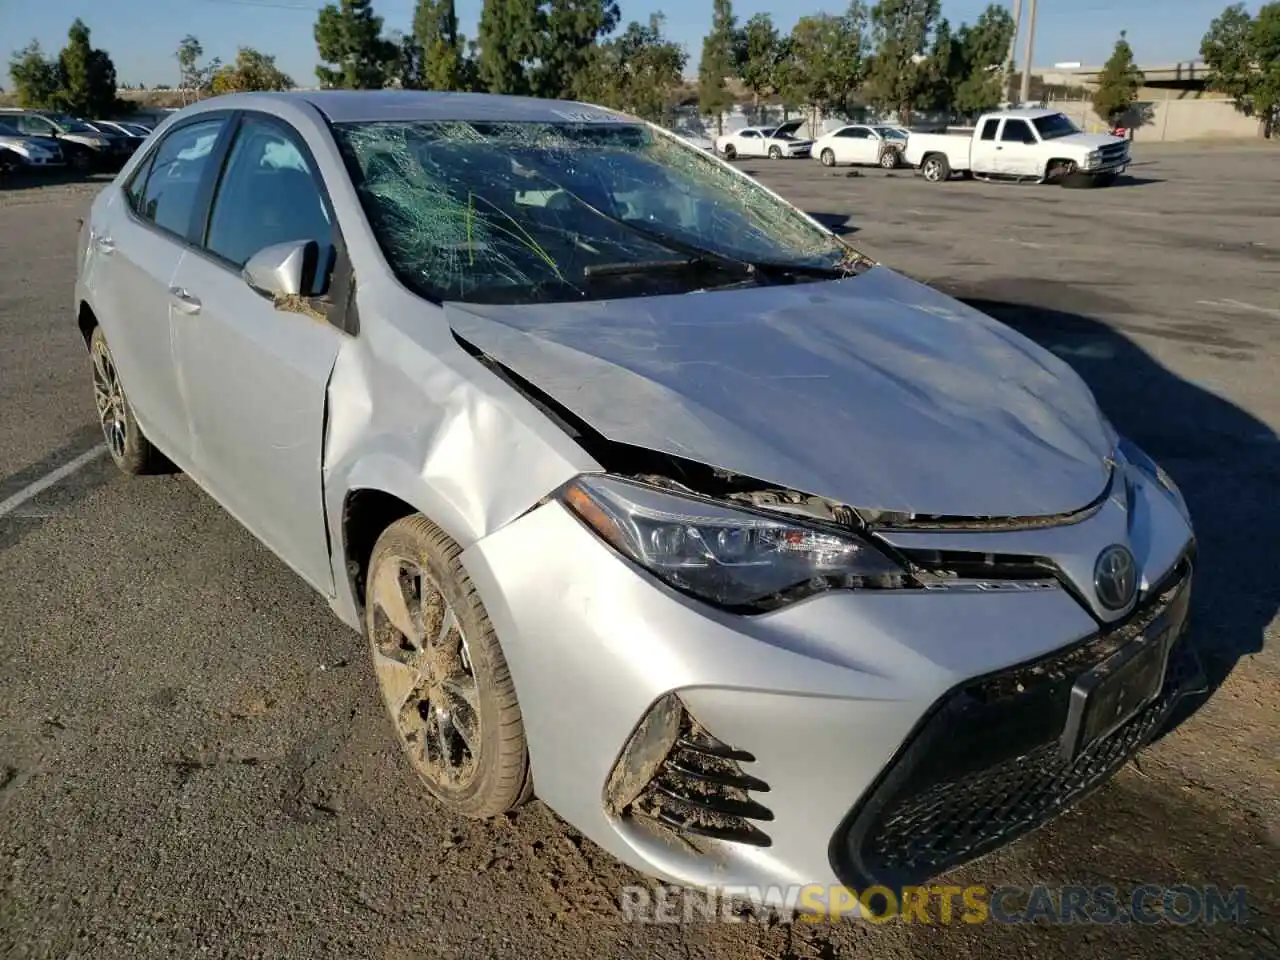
<point>988,764</point>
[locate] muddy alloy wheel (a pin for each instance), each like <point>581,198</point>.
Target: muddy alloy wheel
<point>775,153</point>
<point>828,158</point>
<point>130,450</point>
<point>443,677</point>
<point>889,159</point>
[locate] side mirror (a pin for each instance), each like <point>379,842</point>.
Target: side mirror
<point>283,269</point>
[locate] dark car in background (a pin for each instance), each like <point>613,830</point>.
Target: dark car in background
<point>85,147</point>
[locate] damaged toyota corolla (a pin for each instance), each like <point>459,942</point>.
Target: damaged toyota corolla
<point>757,562</point>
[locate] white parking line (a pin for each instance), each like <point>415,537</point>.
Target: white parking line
<point>12,503</point>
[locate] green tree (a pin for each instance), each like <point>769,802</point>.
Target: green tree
<point>194,76</point>
<point>435,30</point>
<point>87,77</point>
<point>511,39</point>
<point>901,77</point>
<point>826,61</point>
<point>964,68</point>
<point>1243,54</point>
<point>253,70</point>
<point>638,71</point>
<point>719,48</point>
<point>572,28</point>
<point>35,78</point>
<point>355,55</point>
<point>1118,83</point>
<point>760,55</point>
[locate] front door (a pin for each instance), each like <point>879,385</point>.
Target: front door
<point>1018,156</point>
<point>255,374</point>
<point>856,145</point>
<point>133,256</point>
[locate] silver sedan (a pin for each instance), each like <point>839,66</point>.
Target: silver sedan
<point>759,563</point>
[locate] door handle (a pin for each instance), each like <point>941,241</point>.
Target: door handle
<point>184,301</point>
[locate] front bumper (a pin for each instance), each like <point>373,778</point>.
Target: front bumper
<point>830,708</point>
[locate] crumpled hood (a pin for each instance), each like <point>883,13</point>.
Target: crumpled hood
<point>874,391</point>
<point>1091,141</point>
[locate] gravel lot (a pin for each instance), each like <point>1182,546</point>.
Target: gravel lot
<point>193,761</point>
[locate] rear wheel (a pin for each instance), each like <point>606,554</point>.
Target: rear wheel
<point>935,168</point>
<point>131,451</point>
<point>443,677</point>
<point>827,157</point>
<point>775,153</point>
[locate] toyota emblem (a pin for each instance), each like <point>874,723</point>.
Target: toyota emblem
<point>1115,577</point>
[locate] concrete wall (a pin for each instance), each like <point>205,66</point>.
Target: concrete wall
<point>1172,120</point>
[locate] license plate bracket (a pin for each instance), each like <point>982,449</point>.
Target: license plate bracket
<point>1112,692</point>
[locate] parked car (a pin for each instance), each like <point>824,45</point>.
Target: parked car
<point>772,142</point>
<point>1039,145</point>
<point>752,558</point>
<point>860,143</point>
<point>138,131</point>
<point>18,152</point>
<point>85,148</point>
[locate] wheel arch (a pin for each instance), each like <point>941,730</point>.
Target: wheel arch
<point>86,320</point>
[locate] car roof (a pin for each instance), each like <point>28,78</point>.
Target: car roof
<point>1027,113</point>
<point>341,106</point>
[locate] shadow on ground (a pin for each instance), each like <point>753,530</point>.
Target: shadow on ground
<point>837,223</point>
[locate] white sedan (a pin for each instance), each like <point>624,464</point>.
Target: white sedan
<point>772,142</point>
<point>858,143</point>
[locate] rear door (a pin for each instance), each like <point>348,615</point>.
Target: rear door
<point>134,253</point>
<point>856,145</point>
<point>985,149</point>
<point>254,374</point>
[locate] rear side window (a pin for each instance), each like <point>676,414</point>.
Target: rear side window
<point>169,196</point>
<point>268,195</point>
<point>989,129</point>
<point>856,133</point>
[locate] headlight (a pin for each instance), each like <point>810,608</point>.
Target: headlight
<point>728,556</point>
<point>1093,159</point>
<point>1137,458</point>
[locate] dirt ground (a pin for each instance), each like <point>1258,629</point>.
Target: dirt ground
<point>193,761</point>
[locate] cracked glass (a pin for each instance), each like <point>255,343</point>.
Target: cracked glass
<point>526,212</point>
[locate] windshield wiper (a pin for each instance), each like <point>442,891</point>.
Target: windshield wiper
<point>627,267</point>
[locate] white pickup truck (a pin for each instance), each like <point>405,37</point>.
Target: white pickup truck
<point>1040,145</point>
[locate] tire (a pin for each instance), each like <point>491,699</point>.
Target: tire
<point>1059,172</point>
<point>935,168</point>
<point>889,159</point>
<point>8,165</point>
<point>730,153</point>
<point>130,450</point>
<point>775,153</point>
<point>486,772</point>
<point>80,161</point>
<point>827,157</point>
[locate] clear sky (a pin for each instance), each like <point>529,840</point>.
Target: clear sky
<point>141,35</point>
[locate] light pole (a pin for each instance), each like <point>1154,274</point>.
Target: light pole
<point>1013,46</point>
<point>1028,52</point>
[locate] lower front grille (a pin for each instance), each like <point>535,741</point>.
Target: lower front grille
<point>988,766</point>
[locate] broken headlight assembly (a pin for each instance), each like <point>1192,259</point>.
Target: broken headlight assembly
<point>731,557</point>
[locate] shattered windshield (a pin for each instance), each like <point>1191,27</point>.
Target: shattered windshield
<point>526,212</point>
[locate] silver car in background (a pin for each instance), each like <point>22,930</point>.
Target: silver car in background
<point>757,562</point>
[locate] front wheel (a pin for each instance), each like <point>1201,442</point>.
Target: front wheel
<point>775,153</point>
<point>130,450</point>
<point>935,168</point>
<point>729,152</point>
<point>443,677</point>
<point>827,157</point>
<point>889,160</point>
<point>80,161</point>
